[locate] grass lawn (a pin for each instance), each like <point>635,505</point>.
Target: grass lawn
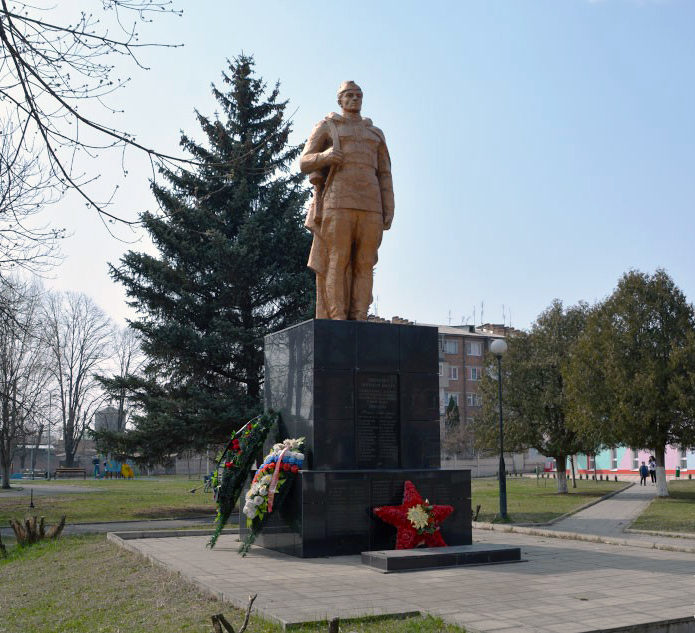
<point>673,514</point>
<point>111,500</point>
<point>88,585</point>
<point>531,500</point>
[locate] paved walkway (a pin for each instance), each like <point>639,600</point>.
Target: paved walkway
<point>567,584</point>
<point>564,586</point>
<point>612,516</point>
<point>25,488</point>
<point>128,526</point>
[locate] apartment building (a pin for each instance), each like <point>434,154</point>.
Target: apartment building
<point>462,356</point>
<point>462,351</point>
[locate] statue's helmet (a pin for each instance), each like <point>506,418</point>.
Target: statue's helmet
<point>348,85</point>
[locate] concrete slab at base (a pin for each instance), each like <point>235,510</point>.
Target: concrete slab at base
<point>590,586</point>
<point>428,557</point>
<point>677,625</point>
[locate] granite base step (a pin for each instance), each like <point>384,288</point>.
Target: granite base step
<point>431,557</point>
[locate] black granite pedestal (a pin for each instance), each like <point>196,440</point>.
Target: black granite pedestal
<point>364,395</point>
<point>329,513</point>
<point>365,398</point>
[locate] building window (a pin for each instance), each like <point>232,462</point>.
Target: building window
<point>475,373</point>
<point>474,349</point>
<point>474,400</point>
<point>441,343</point>
<point>684,459</point>
<point>453,372</point>
<point>590,462</point>
<point>635,459</point>
<point>451,347</point>
<point>614,459</point>
<point>441,369</point>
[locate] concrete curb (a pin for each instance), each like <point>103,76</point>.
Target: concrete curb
<point>590,538</point>
<point>137,534</point>
<point>674,535</point>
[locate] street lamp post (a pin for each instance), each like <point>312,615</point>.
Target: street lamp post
<point>499,347</point>
<point>48,457</point>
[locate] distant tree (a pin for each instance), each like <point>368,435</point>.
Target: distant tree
<point>52,70</point>
<point>535,407</point>
<point>23,370</point>
<point>79,338</point>
<point>459,440</point>
<point>231,268</point>
<point>458,434</point>
<point>452,416</point>
<point>130,360</point>
<point>633,371</point>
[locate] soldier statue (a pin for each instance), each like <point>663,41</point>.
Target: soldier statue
<point>349,165</point>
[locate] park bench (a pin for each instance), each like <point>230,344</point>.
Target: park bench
<point>33,474</point>
<point>70,472</point>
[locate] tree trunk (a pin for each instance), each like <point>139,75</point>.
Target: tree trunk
<point>574,477</point>
<point>37,445</point>
<point>561,463</point>
<point>69,443</point>
<point>661,486</point>
<point>5,467</point>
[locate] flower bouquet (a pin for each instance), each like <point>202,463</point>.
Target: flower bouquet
<point>238,458</point>
<point>270,486</point>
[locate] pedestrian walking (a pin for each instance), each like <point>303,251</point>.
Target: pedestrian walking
<point>643,472</point>
<point>652,468</point>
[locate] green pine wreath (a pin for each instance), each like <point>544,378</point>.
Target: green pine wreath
<point>242,449</point>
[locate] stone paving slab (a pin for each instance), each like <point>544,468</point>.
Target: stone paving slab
<point>566,586</point>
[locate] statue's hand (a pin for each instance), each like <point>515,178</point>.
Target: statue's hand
<point>387,221</point>
<point>333,157</point>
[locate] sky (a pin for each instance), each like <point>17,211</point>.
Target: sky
<point>540,149</point>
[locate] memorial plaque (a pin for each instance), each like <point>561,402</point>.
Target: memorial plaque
<point>376,420</point>
<point>346,507</point>
<point>435,491</point>
<point>386,491</point>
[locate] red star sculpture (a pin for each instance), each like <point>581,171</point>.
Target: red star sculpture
<point>412,530</point>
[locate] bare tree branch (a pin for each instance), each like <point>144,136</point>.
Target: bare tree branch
<point>25,187</point>
<point>47,70</point>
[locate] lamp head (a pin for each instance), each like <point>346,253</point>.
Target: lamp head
<point>498,347</point>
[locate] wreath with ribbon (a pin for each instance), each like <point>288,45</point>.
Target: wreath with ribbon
<point>270,486</point>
